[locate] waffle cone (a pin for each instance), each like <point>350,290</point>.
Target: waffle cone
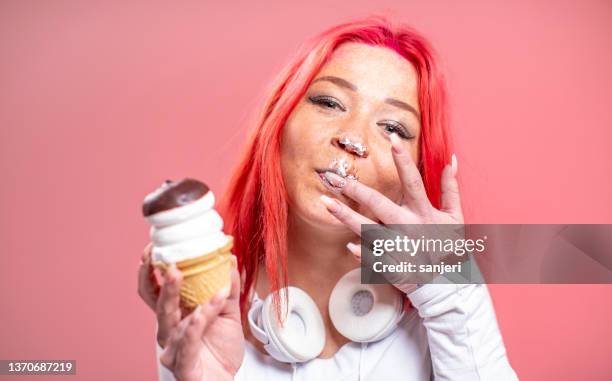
<point>204,276</point>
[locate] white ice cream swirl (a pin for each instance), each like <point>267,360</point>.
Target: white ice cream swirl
<point>188,231</point>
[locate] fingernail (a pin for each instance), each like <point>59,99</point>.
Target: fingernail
<point>144,257</point>
<point>171,273</point>
<point>454,165</point>
<point>329,203</point>
<point>196,314</point>
<point>335,180</point>
<point>353,248</point>
<point>220,296</point>
<point>396,144</point>
<point>224,293</point>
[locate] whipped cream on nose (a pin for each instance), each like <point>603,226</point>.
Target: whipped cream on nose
<point>354,147</point>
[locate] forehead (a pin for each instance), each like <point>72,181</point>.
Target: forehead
<point>376,71</point>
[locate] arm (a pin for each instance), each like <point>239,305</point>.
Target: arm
<point>464,338</point>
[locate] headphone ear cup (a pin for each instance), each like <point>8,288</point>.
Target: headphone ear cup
<point>301,337</point>
<point>254,319</point>
<point>364,312</point>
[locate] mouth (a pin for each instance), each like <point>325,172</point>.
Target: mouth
<point>342,169</point>
<point>321,174</point>
<point>331,185</point>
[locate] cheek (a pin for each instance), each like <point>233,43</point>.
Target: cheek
<point>290,147</point>
<point>299,136</point>
<point>389,181</point>
<point>381,174</point>
<point>296,151</point>
<point>288,167</point>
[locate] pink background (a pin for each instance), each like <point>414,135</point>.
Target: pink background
<point>101,101</point>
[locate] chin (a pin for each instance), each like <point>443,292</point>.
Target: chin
<point>316,214</point>
<point>320,216</point>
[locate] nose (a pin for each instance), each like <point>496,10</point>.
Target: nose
<point>351,144</point>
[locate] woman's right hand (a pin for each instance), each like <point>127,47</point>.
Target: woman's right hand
<point>207,344</point>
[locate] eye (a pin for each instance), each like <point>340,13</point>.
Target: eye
<point>390,127</point>
<point>327,102</point>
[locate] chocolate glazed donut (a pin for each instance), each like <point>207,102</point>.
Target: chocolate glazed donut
<point>173,194</point>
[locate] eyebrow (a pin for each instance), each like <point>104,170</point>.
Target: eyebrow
<point>346,84</point>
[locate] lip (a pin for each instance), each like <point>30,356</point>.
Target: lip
<point>349,173</point>
<point>340,166</point>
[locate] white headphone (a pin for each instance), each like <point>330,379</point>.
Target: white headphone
<point>360,312</point>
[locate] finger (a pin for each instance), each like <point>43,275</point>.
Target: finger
<point>346,215</point>
<point>146,253</point>
<point>355,250</point>
<point>233,292</point>
<point>413,188</point>
<point>168,310</point>
<point>148,286</point>
<point>232,307</point>
<point>189,346</point>
<point>384,209</point>
<point>168,357</point>
<point>450,199</point>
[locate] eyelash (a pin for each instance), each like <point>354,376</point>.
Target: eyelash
<point>331,103</point>
<point>401,131</point>
<point>327,102</point>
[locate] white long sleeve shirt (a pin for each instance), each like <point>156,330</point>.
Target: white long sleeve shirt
<point>451,334</point>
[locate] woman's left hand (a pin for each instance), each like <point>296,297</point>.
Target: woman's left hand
<point>416,208</point>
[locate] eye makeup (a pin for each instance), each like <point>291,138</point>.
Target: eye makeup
<point>326,102</point>
<point>391,126</point>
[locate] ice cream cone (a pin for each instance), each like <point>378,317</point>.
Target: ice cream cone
<point>186,230</point>
<point>203,276</point>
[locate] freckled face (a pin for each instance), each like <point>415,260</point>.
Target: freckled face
<point>363,93</point>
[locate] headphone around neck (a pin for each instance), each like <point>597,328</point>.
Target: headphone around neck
<point>361,312</point>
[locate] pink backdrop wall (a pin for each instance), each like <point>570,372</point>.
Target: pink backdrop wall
<point>100,101</point>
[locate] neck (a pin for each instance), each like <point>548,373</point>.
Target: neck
<point>317,255</point>
<point>317,258</point>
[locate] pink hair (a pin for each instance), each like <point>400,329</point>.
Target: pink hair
<point>255,204</point>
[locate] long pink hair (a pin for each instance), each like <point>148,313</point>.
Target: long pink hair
<point>255,205</point>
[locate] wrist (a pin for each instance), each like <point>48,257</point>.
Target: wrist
<point>409,288</point>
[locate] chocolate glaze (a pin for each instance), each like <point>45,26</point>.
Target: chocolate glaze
<point>173,194</point>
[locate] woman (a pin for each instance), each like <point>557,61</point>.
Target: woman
<point>353,132</point>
